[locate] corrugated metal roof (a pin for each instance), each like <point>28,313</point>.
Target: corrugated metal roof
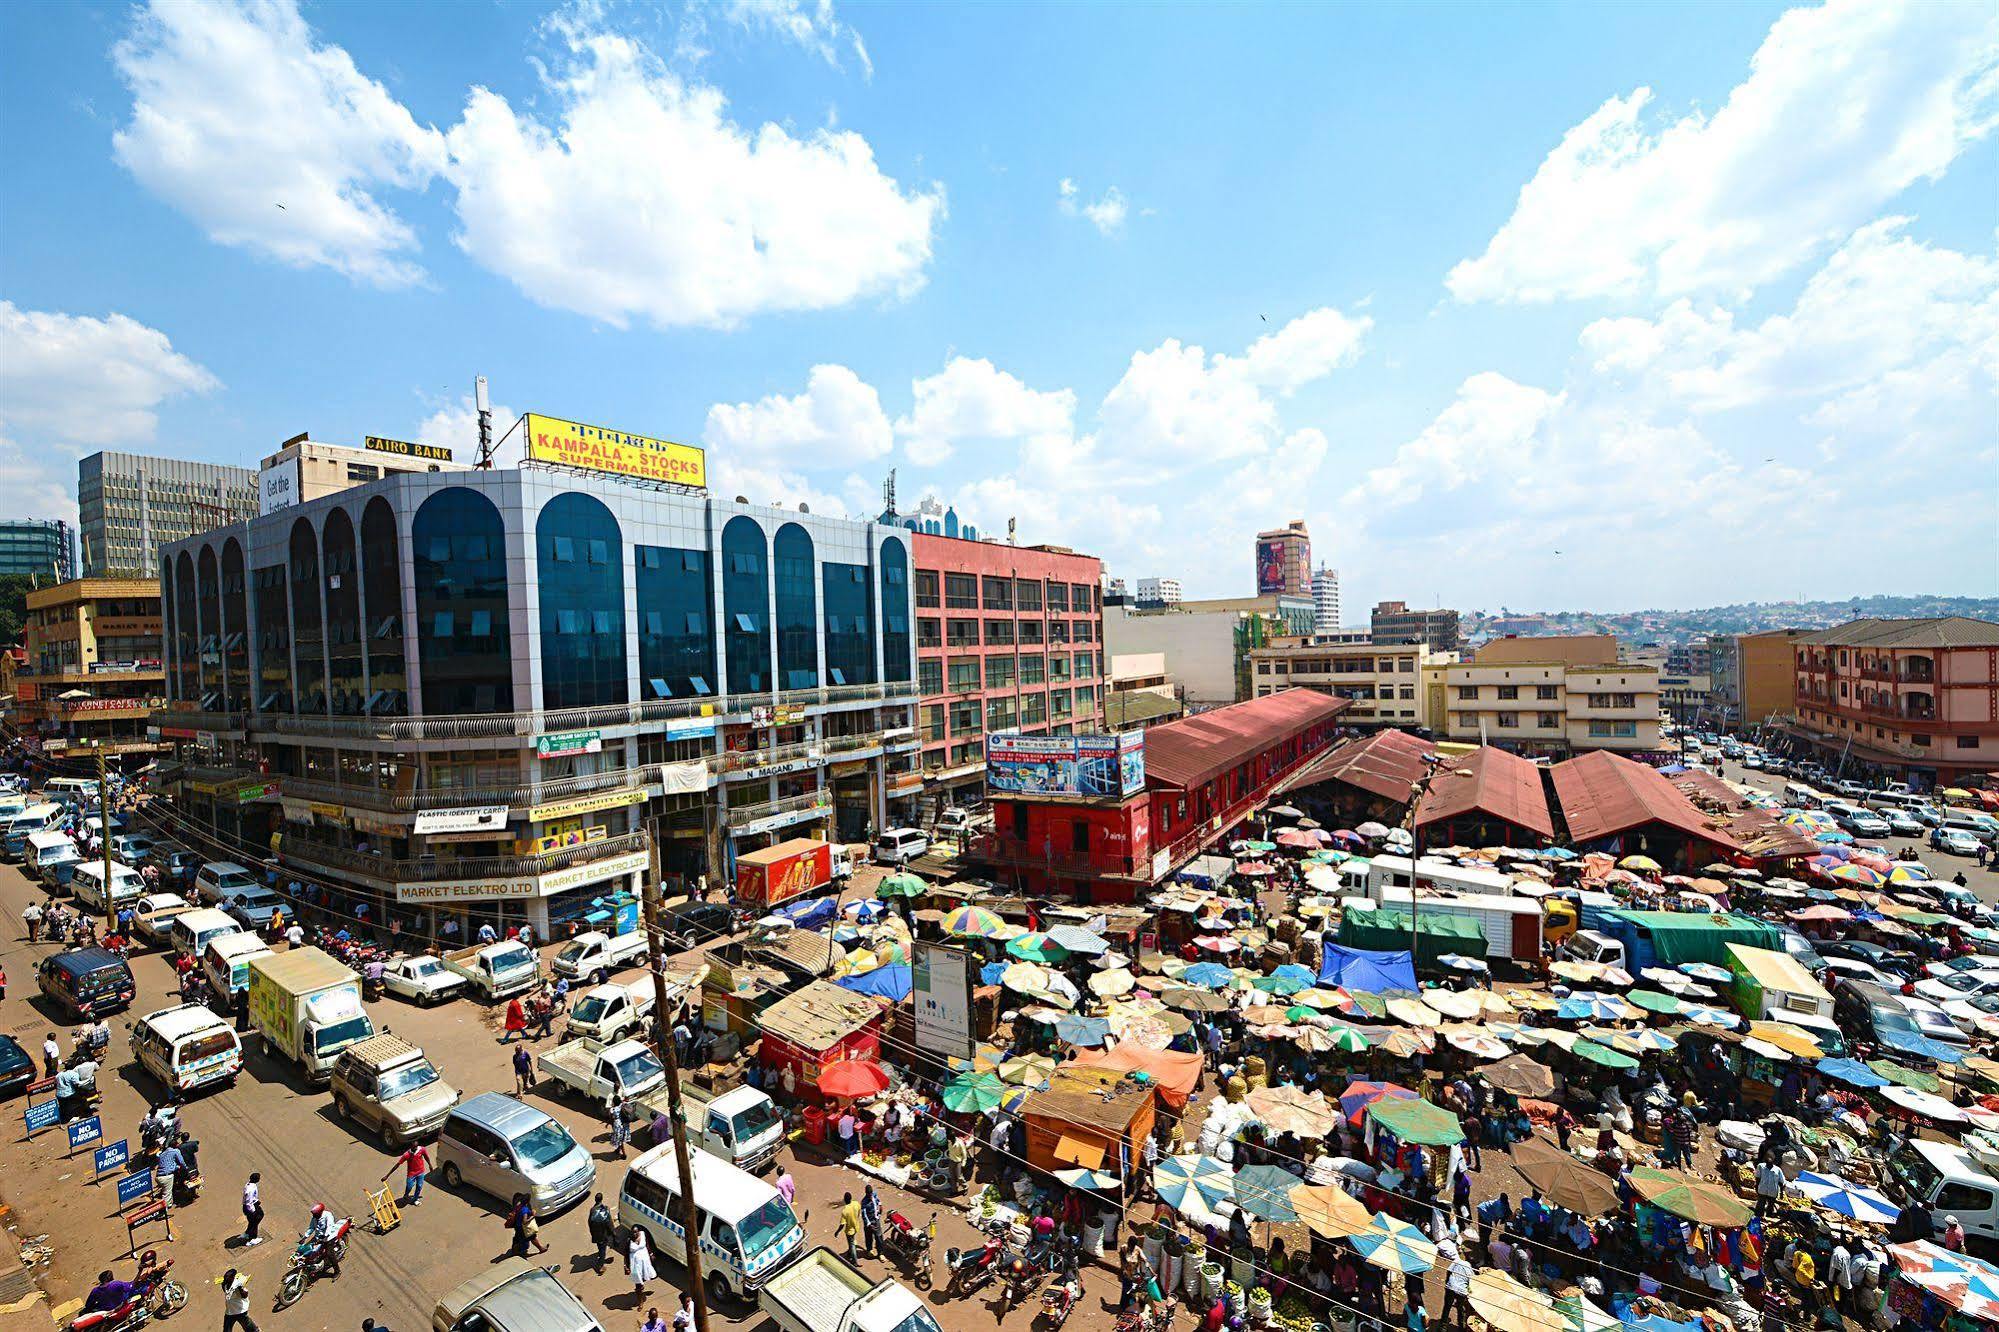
<point>1492,782</point>
<point>1941,631</point>
<point>1187,752</point>
<point>1602,794</point>
<point>1386,763</point>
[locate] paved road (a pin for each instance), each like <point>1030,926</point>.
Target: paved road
<point>271,1122</point>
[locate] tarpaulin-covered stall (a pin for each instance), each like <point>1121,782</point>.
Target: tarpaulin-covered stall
<point>1095,1118</point>
<point>1437,935</point>
<point>1174,1074</point>
<point>1372,970</point>
<point>819,1026</point>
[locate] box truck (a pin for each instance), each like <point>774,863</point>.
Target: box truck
<point>775,875</point>
<point>307,1006</point>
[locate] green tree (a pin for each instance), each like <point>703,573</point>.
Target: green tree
<point>14,589</point>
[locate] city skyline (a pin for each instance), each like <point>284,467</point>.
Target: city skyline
<point>1538,371</point>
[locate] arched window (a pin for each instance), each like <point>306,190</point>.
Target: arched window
<point>382,590</point>
<point>343,615</point>
<point>208,591</point>
<point>895,609</point>
<point>676,599</point>
<point>187,629</point>
<point>464,640</point>
<point>235,630</point>
<point>274,639</point>
<point>850,624</point>
<point>797,609</point>
<point>308,631</point>
<point>746,607</point>
<point>580,554</point>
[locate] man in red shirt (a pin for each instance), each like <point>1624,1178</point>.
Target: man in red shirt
<point>415,1162</point>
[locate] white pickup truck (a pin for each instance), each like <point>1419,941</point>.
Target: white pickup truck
<point>821,1292</point>
<point>739,1124</point>
<point>496,970</point>
<point>601,1073</point>
<point>594,955</point>
<point>609,1012</point>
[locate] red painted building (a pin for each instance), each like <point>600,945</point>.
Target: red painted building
<point>1204,775</point>
<point>1008,638</point>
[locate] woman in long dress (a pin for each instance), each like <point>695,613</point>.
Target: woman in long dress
<point>638,1261</point>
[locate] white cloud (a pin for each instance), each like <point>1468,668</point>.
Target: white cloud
<point>1491,419</point>
<point>70,384</point>
<point>646,201</point>
<point>811,24</point>
<point>1845,106</point>
<point>837,421</point>
<point>269,140</point>
<point>455,424</point>
<point>1107,212</point>
<point>975,400</point>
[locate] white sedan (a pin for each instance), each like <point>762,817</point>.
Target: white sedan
<point>1964,985</point>
<point>1955,841</point>
<point>153,913</point>
<point>421,980</point>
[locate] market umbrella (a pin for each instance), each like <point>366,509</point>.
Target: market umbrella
<point>1208,975</point>
<point>1192,1182</point>
<point>1969,1285</point>
<point>1083,1178</point>
<point>1923,1105</point>
<point>973,1093</point>
<point>1791,1040</point>
<point>1708,971</point>
<point>1329,1210</point>
<point>971,922</point>
<point>1852,1072</point>
<point>1110,984</point>
<point>1849,873</point>
<point>1477,1044</point>
<point>1286,1109</point>
<point>1521,1076</point>
<point>1639,864</point>
<point>1036,948</point>
<point>1459,962</point>
<point>1460,1004</point>
<point>1690,1199</point>
<point>1347,1040</point>
<point>1710,1017</point>
<point>1653,1002</point>
<point>1417,1121</point>
<point>1414,1012</point>
<point>1903,1076</point>
<point>1076,940</point>
<point>1587,1006</point>
<point>1079,1030</point>
<point>1508,1306</point>
<point>1025,977</point>
<point>1030,1070</point>
<point>1358,1096</point>
<point>1564,1179</point>
<point>901,885</point>
<point>1285,812</point>
<point>1372,829</point>
<point>1281,985</point>
<point>1395,1245</point>
<point>1194,1001</point>
<point>1846,1198</point>
<point>1403,1042</point>
<point>854,1078</point>
<point>1297,839</point>
<point>1602,1055</point>
<point>1264,1191</point>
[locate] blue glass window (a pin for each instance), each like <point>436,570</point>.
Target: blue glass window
<point>583,662</point>
<point>676,600</point>
<point>850,625</point>
<point>346,680</point>
<point>186,638</point>
<point>460,568</point>
<point>308,633</point>
<point>274,639</point>
<point>895,609</point>
<point>209,629</point>
<point>235,630</point>
<point>746,607</point>
<point>382,590</point>
<point>797,607</point>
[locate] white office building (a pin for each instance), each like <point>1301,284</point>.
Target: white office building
<point>1325,600</point>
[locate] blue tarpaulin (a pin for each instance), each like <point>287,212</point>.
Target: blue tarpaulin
<point>1915,1043</point>
<point>891,982</point>
<point>991,972</point>
<point>1368,968</point>
<point>809,915</point>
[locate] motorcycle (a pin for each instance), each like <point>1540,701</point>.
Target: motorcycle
<point>907,1246</point>
<point>312,1259</point>
<point>972,1268</point>
<point>1018,1280</point>
<point>1057,1301</point>
<point>157,1129</point>
<point>153,1296</point>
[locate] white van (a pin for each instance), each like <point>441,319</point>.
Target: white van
<point>1945,1177</point>
<point>81,790</point>
<point>899,846</point>
<point>747,1230</point>
<point>221,880</point>
<point>191,930</point>
<point>88,885</point>
<point>225,960</point>
<point>1799,796</point>
<point>33,819</point>
<point>187,1047</point>
<point>51,857</point>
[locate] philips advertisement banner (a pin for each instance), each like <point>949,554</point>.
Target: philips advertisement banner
<point>1073,765</point>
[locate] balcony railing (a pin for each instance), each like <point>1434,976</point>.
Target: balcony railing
<point>188,720</point>
<point>403,802</point>
<point>474,726</point>
<point>738,815</point>
<point>427,870</point>
<point>742,760</point>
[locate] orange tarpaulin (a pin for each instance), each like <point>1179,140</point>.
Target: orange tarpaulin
<point>1089,1155</point>
<point>1174,1074</point>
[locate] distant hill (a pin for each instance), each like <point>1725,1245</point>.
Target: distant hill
<point>1638,627</point>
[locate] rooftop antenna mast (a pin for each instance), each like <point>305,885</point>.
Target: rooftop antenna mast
<point>888,494</point>
<point>485,409</point>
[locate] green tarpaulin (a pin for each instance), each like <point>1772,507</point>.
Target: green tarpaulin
<point>1417,1121</point>
<point>1389,930</point>
<point>1685,936</point>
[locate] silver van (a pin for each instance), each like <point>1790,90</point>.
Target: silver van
<point>501,1147</point>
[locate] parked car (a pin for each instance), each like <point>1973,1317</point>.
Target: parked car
<point>17,1069</point>
<point>132,848</point>
<point>1902,823</point>
<point>177,865</point>
<point>899,846</point>
<point>220,880</point>
<point>1954,841</point>
<point>1879,956</point>
<point>422,979</point>
<point>1963,985</point>
<point>254,906</point>
<point>692,924</point>
<point>1853,969</point>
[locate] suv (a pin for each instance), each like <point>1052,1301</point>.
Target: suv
<point>899,846</point>
<point>220,880</point>
<point>961,822</point>
<point>694,924</point>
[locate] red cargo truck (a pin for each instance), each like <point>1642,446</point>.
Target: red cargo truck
<point>775,875</point>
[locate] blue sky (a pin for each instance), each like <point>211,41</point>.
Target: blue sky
<point>1542,306</point>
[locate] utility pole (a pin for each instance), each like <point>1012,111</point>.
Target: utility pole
<point>104,817</point>
<point>662,1034</point>
<point>484,407</point>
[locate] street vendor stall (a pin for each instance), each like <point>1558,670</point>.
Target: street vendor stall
<point>817,1027</point>
<point>1096,1118</point>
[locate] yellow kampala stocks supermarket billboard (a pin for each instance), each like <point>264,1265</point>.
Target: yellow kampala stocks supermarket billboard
<point>572,444</point>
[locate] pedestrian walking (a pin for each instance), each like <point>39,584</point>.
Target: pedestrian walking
<point>871,1220</point>
<point>518,1212</point>
<point>653,1322</point>
<point>621,1127</point>
<point>236,1302</point>
<point>253,1209</point>
<point>786,1185</point>
<point>683,1317</point>
<point>523,1070</point>
<point>1457,1287</point>
<point>51,1055</point>
<point>638,1262</point>
<point>32,918</point>
<point>517,1021</point>
<point>415,1162</point>
<point>850,1224</point>
<point>603,1229</point>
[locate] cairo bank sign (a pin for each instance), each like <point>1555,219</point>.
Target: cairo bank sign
<point>522,888</point>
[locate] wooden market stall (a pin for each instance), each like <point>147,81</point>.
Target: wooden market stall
<point>818,1026</point>
<point>1090,1117</point>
